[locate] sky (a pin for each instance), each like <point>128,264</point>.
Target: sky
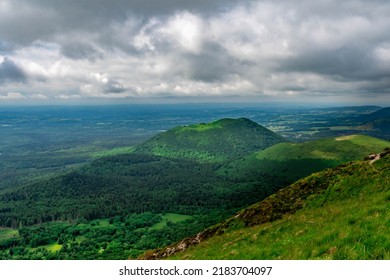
<point>132,50</point>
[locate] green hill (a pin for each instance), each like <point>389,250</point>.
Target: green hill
<point>378,122</point>
<point>216,141</point>
<point>296,160</point>
<point>340,213</point>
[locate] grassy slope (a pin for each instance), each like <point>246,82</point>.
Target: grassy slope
<point>168,218</point>
<point>339,149</point>
<point>297,160</point>
<point>216,141</point>
<point>341,213</point>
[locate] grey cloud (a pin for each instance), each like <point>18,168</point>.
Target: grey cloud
<point>122,8</point>
<point>28,21</point>
<point>21,23</point>
<point>5,47</point>
<point>114,86</point>
<point>10,72</point>
<point>78,50</point>
<point>102,84</point>
<point>213,64</point>
<point>311,46</point>
<point>349,63</point>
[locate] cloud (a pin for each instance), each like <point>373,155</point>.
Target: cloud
<point>19,96</point>
<point>145,48</point>
<point>12,96</point>
<point>38,96</point>
<point>10,72</point>
<point>101,85</point>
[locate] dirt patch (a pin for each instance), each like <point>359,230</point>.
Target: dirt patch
<point>377,157</point>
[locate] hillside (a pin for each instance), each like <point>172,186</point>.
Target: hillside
<point>297,160</point>
<point>383,113</point>
<point>340,213</point>
<point>378,122</point>
<point>216,141</point>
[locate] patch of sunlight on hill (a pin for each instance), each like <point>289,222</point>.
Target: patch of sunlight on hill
<point>198,127</point>
<point>323,155</point>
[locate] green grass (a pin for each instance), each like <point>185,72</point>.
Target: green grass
<point>349,219</point>
<point>54,247</point>
<point>350,230</point>
<point>6,233</point>
<point>297,160</point>
<point>341,148</point>
<point>199,127</point>
<point>169,218</point>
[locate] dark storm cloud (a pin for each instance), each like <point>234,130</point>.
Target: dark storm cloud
<point>349,63</point>
<point>187,47</point>
<point>25,21</point>
<point>10,72</point>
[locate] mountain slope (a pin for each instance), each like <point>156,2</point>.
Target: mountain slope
<point>340,213</point>
<point>216,141</point>
<point>378,122</point>
<point>383,113</point>
<point>296,160</point>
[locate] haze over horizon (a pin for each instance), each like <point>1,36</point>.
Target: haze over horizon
<point>88,52</point>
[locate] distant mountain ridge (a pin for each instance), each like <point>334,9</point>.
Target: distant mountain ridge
<point>379,122</point>
<point>216,141</point>
<point>380,114</point>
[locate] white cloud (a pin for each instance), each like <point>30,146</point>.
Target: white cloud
<point>185,31</point>
<point>39,96</point>
<point>12,96</point>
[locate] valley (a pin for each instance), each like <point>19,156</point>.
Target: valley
<point>113,183</point>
